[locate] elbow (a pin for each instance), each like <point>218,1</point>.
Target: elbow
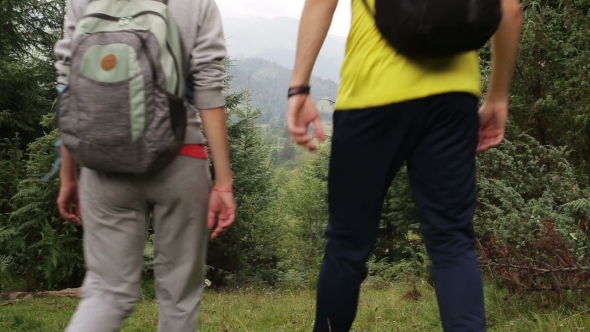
<point>512,12</point>
<point>329,5</point>
<point>515,15</point>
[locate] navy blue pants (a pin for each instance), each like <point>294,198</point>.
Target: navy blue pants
<point>437,137</point>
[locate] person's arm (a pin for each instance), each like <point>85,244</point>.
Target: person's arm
<point>493,113</point>
<point>315,22</point>
<point>62,49</point>
<point>222,206</point>
<point>208,74</point>
<point>215,126</point>
<point>301,109</point>
<point>206,65</point>
<point>68,172</point>
<point>67,200</point>
<point>63,53</point>
<point>505,44</point>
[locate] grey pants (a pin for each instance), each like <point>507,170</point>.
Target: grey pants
<point>115,212</point>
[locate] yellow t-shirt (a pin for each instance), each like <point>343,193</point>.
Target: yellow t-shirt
<point>373,74</point>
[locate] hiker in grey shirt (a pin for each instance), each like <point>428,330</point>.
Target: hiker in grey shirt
<point>114,208</point>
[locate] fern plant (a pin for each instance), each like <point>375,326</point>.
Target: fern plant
<point>47,250</point>
<point>6,268</point>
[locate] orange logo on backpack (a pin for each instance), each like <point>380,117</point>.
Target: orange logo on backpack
<point>109,62</point>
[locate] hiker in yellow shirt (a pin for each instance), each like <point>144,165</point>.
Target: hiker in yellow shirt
<point>403,99</point>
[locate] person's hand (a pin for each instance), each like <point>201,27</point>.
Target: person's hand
<point>301,112</point>
<point>68,202</point>
<point>222,211</point>
<point>492,124</point>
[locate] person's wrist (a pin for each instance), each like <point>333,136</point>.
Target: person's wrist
<point>497,93</point>
<point>295,90</point>
<point>224,185</point>
<point>497,98</point>
<point>298,80</point>
<point>69,182</point>
<point>68,178</point>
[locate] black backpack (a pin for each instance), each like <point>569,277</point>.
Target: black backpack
<point>436,28</point>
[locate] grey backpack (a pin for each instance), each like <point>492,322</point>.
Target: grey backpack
<point>123,110</point>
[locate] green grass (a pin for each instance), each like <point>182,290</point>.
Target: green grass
<point>379,310</point>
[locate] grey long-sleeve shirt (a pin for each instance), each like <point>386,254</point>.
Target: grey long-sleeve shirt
<point>201,31</point>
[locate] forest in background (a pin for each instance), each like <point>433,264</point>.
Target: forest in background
<point>532,217</point>
<point>267,82</point>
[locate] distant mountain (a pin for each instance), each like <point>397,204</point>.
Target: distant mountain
<point>268,83</point>
<point>275,40</point>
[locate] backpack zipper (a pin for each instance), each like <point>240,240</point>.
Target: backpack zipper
<point>145,12</point>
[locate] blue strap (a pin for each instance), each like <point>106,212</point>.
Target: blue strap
<point>56,163</point>
<point>58,143</point>
<point>190,92</point>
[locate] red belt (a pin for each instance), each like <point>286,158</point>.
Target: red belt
<point>194,151</point>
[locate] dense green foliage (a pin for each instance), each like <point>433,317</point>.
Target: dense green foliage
<point>248,249</point>
<point>28,31</point>
<point>46,250</point>
<point>550,91</point>
<point>533,213</point>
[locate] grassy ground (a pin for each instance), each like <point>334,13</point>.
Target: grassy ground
<point>379,310</point>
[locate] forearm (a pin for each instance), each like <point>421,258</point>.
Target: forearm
<point>505,51</point>
<point>215,125</point>
<point>315,22</point>
<point>68,172</point>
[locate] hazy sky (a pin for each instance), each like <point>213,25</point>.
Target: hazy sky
<point>275,8</point>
